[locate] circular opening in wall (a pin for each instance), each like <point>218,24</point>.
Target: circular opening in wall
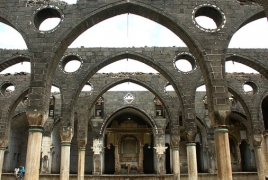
<point>250,88</point>
<point>71,63</point>
<point>47,19</point>
<point>209,18</point>
<point>7,89</point>
<point>87,87</point>
<point>184,62</point>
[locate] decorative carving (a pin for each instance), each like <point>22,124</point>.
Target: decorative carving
<point>190,136</point>
<point>160,149</point>
<point>97,146</point>
<point>66,135</point>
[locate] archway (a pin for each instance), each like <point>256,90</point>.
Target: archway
<point>128,140</point>
<point>245,156</point>
<point>17,145</point>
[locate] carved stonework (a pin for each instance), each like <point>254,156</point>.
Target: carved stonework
<point>257,140</point>
<point>97,146</point>
<point>66,135</point>
<point>190,136</point>
<point>160,149</point>
<point>175,141</point>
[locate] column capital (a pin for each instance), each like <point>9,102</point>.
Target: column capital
<point>219,117</point>
<point>160,149</point>
<point>190,136</point>
<point>257,140</point>
<point>36,118</point>
<point>81,145</point>
<point>66,135</point>
<point>3,143</point>
<point>175,141</point>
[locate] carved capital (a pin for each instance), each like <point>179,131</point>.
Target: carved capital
<point>3,142</point>
<point>81,144</point>
<point>257,139</point>
<point>66,135</point>
<point>175,141</point>
<point>97,146</point>
<point>160,149</point>
<point>190,136</point>
<point>219,118</point>
<point>36,119</point>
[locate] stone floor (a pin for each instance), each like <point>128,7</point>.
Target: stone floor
<point>236,176</point>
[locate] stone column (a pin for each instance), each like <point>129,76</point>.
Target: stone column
<point>66,134</point>
<point>160,154</point>
<point>211,152</point>
<point>175,144</point>
<point>140,165</point>
<point>176,163</point>
<point>223,154</point>
<point>46,159</point>
<point>33,153</point>
<point>97,149</point>
<point>260,155</point>
<point>192,161</point>
<point>2,154</point>
<point>81,159</point>
<point>259,162</point>
<point>3,145</point>
<point>116,156</point>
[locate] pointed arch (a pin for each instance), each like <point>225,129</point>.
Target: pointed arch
<point>133,109</point>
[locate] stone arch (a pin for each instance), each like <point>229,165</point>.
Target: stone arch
<point>242,118</point>
<point>122,7</point>
<point>151,89</point>
<point>14,103</point>
<point>250,16</point>
<point>242,102</point>
<point>13,60</point>
<point>143,10</point>
<point>8,21</point>
<point>201,147</point>
<point>142,113</point>
<point>133,55</point>
<point>234,152</point>
<point>202,127</point>
<point>253,63</point>
<point>264,106</point>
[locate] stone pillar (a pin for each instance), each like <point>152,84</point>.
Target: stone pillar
<point>81,160</point>
<point>223,154</point>
<point>116,156</point>
<point>211,153</point>
<point>260,156</point>
<point>192,161</point>
<point>176,163</point>
<point>33,153</point>
<point>3,145</point>
<point>2,154</point>
<point>97,149</point>
<point>160,154</point>
<point>66,134</point>
<point>140,166</point>
<point>175,144</point>
<point>46,159</point>
<point>260,162</point>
